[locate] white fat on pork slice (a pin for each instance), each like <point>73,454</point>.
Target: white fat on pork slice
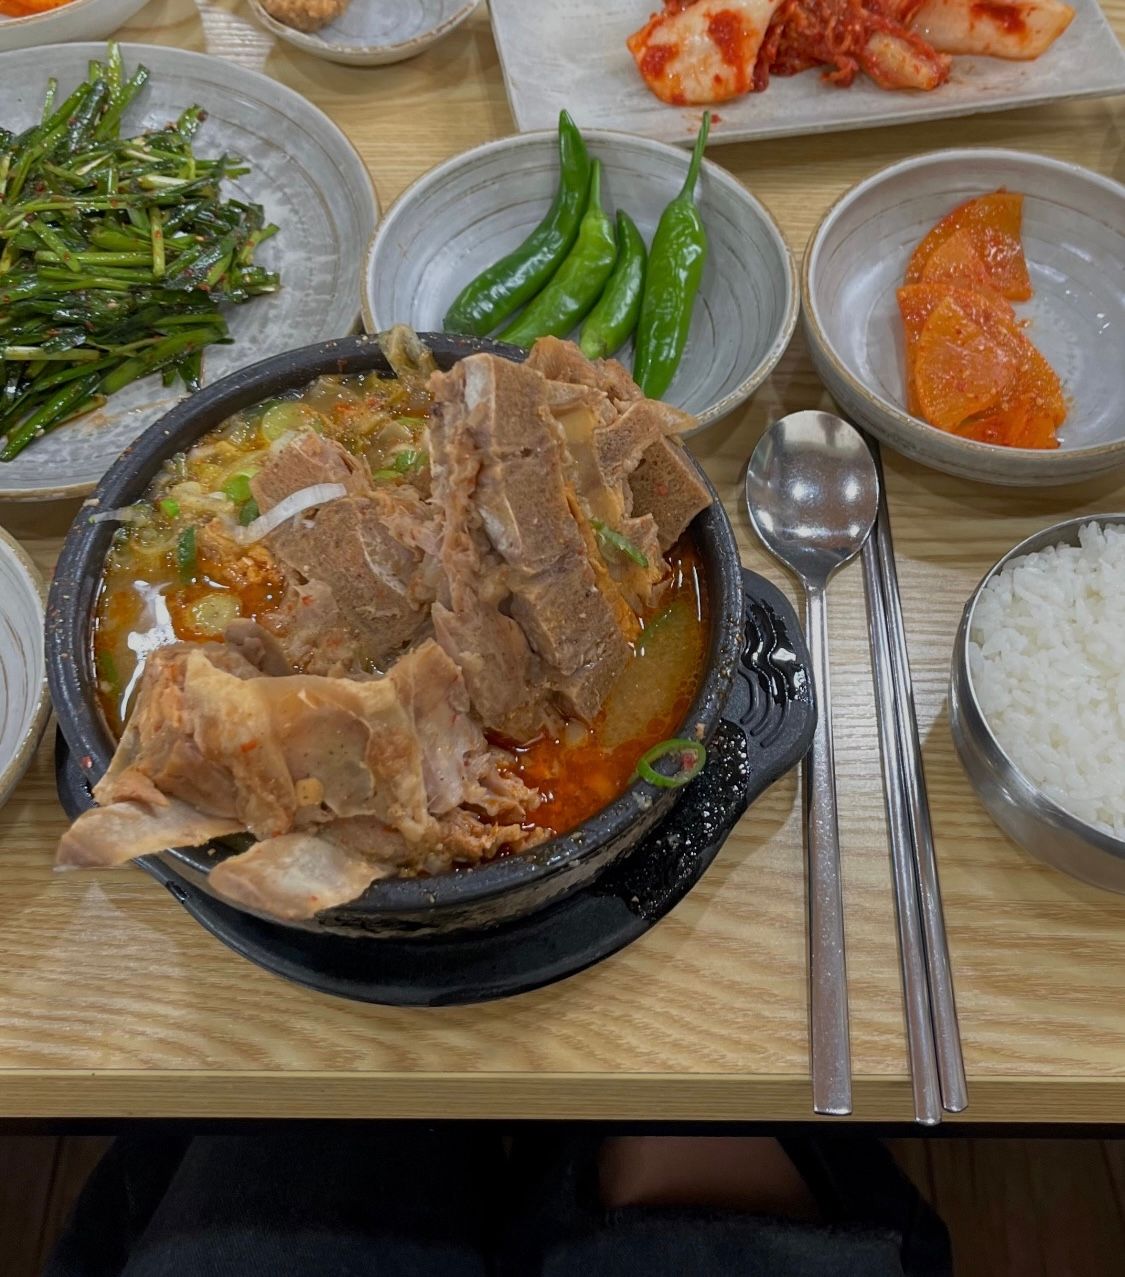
<point>108,836</point>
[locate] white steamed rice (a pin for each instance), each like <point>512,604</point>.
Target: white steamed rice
<point>1047,659</point>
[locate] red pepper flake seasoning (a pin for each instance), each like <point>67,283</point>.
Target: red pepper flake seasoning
<point>1006,17</point>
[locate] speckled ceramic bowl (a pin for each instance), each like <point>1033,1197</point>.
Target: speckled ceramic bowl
<point>465,214</point>
<point>303,171</point>
<point>375,32</point>
<point>24,706</point>
<point>1074,241</point>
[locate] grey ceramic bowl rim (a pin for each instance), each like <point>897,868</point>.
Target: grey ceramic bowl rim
<point>80,562</point>
<point>12,771</point>
<point>784,335</point>
<point>971,449</point>
<point>1024,792</point>
<point>312,42</point>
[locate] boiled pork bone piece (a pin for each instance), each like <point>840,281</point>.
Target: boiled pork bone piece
<point>638,450</point>
<point>341,781</point>
<point>522,613</point>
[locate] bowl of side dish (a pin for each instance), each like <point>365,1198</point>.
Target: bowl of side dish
<point>1035,689</point>
<point>1073,237</point>
<point>462,216</point>
<point>24,706</point>
<point>359,33</point>
<point>74,20</point>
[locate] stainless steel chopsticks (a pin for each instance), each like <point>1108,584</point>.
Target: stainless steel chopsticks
<point>915,985</point>
<point>921,921</point>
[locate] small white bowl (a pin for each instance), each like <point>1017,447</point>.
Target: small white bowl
<point>24,705</point>
<point>1074,241</point>
<point>373,33</point>
<point>470,211</point>
<point>79,20</point>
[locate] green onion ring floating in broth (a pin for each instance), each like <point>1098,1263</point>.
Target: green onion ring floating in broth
<point>692,757</point>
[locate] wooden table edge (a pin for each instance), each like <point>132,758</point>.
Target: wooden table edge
<point>65,1093</point>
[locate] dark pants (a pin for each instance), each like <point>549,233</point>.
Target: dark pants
<point>449,1203</point>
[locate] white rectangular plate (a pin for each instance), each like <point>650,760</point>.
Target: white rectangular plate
<point>572,55</point>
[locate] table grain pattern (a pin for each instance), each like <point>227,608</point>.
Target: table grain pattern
<point>113,1002</point>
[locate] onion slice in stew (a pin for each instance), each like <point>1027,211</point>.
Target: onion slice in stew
<point>295,503</point>
<point>692,756</point>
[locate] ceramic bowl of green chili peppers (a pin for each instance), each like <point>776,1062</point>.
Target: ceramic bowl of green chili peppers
<point>633,248</point>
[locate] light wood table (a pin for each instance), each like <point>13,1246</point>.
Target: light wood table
<point>113,1002</point>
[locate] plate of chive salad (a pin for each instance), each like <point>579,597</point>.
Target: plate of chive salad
<point>165,219</point>
<point>635,249</point>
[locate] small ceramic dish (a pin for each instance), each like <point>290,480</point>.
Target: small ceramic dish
<point>468,212</point>
<point>1022,810</point>
<point>24,706</point>
<point>302,169</point>
<point>375,32</point>
<point>1074,241</point>
<point>78,20</point>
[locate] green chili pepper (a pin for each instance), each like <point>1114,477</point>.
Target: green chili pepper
<point>610,538</point>
<point>169,508</point>
<point>489,299</point>
<point>577,283</point>
<point>185,555</point>
<point>249,512</point>
<point>675,267</point>
<point>610,324</point>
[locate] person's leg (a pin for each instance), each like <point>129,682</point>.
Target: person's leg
<point>316,1201</point>
<point>682,1207</point>
<point>115,1206</point>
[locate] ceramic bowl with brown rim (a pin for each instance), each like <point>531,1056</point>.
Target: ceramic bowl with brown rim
<point>24,706</point>
<point>467,213</point>
<point>1074,241</point>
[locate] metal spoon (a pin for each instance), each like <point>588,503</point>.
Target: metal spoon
<point>812,493</point>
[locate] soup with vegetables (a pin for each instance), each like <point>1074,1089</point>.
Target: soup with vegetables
<point>400,625</point>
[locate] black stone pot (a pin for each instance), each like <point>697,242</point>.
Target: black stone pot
<point>467,900</point>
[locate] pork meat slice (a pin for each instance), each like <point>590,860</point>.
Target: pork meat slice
<point>368,548</point>
<point>560,360</point>
<point>603,498</point>
<point>295,876</point>
<point>637,447</point>
<point>207,753</point>
<point>667,486</point>
<point>313,634</point>
<point>499,470</point>
<point>306,460</point>
<point>108,836</point>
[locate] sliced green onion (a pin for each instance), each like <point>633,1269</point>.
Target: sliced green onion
<point>237,488</point>
<point>107,668</point>
<point>409,459</point>
<point>185,555</point>
<point>692,756</point>
<point>248,513</point>
<point>169,508</point>
<point>612,539</point>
